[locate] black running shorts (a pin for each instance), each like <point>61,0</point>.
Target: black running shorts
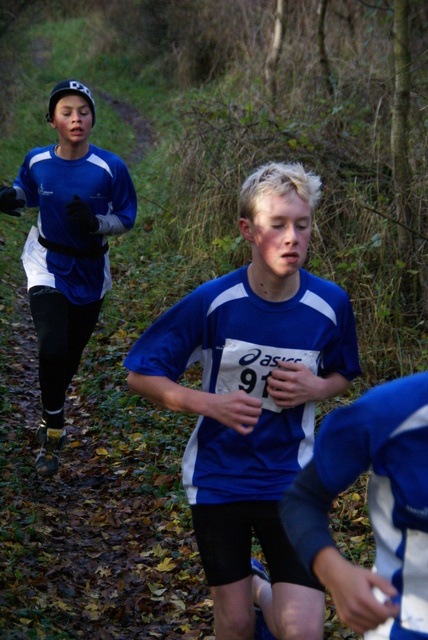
<point>224,533</point>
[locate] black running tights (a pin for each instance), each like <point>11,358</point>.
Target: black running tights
<point>63,330</point>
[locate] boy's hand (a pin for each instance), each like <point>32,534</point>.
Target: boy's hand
<point>9,202</point>
<point>236,410</point>
<point>292,384</point>
<point>353,591</point>
<point>82,215</point>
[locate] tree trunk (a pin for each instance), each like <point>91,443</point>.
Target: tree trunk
<point>273,56</point>
<point>399,125</point>
<point>324,62</point>
<point>399,147</point>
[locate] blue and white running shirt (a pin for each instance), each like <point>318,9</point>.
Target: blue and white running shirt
<point>394,438</point>
<point>239,338</point>
<point>101,180</point>
<point>386,429</point>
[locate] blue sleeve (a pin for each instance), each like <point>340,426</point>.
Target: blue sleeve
<point>304,514</point>
<point>167,346</point>
<point>341,356</point>
<point>353,438</point>
<point>343,447</point>
<point>25,182</point>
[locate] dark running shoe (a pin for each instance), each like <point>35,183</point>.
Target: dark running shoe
<point>52,441</point>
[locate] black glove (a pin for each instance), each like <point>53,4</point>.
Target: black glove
<point>82,215</point>
<point>9,202</point>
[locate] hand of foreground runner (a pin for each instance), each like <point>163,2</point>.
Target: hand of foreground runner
<point>352,590</point>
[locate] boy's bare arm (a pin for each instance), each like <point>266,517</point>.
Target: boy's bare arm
<point>236,410</point>
<point>292,384</point>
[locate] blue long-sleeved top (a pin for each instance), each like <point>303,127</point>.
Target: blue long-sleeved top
<point>48,182</point>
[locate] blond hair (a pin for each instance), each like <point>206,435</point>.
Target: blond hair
<point>277,178</point>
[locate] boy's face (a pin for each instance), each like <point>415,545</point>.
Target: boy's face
<point>279,234</point>
<point>73,119</point>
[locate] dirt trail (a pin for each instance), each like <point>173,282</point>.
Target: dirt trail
<point>144,133</point>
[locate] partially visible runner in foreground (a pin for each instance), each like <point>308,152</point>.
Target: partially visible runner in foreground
<point>386,429</point>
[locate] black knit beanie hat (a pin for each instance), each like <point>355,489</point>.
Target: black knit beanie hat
<point>65,87</point>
